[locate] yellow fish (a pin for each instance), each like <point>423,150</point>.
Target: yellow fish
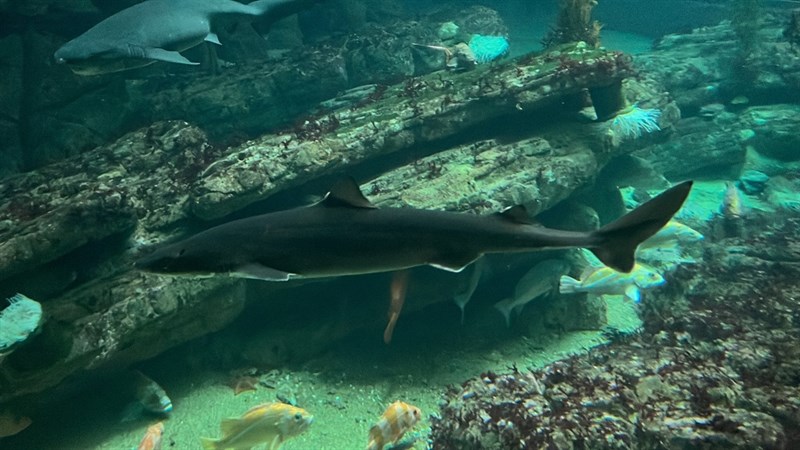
<point>270,423</point>
<point>605,280</point>
<point>398,418</point>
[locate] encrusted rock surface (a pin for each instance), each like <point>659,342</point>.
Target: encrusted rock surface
<point>70,230</point>
<point>116,322</point>
<point>138,181</point>
<point>718,145</point>
<point>707,65</point>
<point>715,368</point>
<point>260,87</point>
<point>419,111</point>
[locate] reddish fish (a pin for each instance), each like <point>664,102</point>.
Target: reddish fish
<point>398,418</point>
<point>152,439</point>
<point>399,285</point>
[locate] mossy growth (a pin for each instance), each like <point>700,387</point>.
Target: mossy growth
<point>574,23</point>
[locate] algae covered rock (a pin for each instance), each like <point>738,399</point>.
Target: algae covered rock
<point>166,180</point>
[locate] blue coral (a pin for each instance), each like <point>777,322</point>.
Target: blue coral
<point>488,48</point>
<point>634,121</point>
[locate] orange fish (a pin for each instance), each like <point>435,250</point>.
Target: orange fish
<point>152,439</point>
<point>398,418</point>
<point>399,285</point>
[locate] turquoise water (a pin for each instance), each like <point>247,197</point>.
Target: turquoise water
<point>357,158</point>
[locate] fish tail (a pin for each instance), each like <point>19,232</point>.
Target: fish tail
<point>209,443</point>
<point>617,241</point>
<point>504,306</point>
<point>568,285</point>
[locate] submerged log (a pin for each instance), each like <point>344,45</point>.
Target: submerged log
<point>420,111</point>
<point>166,180</point>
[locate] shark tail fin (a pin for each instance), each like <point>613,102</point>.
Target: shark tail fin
<point>618,240</point>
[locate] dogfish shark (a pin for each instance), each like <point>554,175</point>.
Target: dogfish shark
<point>345,234</point>
<point>158,30</point>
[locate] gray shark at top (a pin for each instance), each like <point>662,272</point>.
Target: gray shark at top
<point>158,30</point>
<point>345,234</point>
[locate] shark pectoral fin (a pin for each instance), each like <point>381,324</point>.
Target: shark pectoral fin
<point>258,271</point>
<point>213,38</point>
<point>159,54</point>
<point>455,262</point>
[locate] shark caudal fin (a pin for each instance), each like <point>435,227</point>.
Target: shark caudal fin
<point>618,240</point>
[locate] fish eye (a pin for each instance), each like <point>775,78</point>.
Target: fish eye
<point>298,416</point>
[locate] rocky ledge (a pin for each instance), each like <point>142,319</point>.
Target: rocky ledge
<point>69,231</point>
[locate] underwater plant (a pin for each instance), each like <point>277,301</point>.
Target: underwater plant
<point>633,121</point>
<point>488,48</point>
<point>574,23</point>
<point>628,121</point>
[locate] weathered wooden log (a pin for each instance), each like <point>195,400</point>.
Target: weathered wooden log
<point>166,180</point>
<point>418,112</point>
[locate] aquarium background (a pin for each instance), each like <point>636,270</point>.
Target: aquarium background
<point>577,122</point>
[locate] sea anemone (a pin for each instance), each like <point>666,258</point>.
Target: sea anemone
<point>488,48</point>
<point>633,121</point>
<point>18,321</point>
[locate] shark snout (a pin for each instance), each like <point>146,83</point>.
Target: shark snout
<point>59,56</point>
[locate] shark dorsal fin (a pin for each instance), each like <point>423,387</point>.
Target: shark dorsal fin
<point>346,193</point>
<point>516,214</point>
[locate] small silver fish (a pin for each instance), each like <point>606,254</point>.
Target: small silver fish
<point>538,281</point>
<point>462,297</point>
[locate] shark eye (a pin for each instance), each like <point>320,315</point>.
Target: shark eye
<point>181,252</point>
